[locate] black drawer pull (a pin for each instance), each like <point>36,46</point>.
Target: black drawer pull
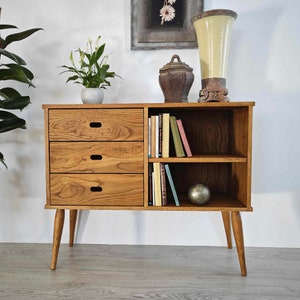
<point>96,189</point>
<point>95,124</point>
<point>96,157</point>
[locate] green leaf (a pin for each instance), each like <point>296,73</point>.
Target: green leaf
<point>29,74</point>
<point>2,160</point>
<point>111,74</point>
<point>100,51</point>
<point>4,115</point>
<point>7,26</point>
<point>75,77</point>
<point>11,124</point>
<point>17,59</point>
<point>15,103</point>
<point>20,35</point>
<point>8,92</point>
<point>16,74</point>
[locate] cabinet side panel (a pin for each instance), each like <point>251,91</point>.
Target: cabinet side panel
<point>47,168</point>
<point>242,143</point>
<point>239,184</point>
<point>249,155</point>
<point>146,148</point>
<point>240,131</point>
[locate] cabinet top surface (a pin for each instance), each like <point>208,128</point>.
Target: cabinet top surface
<point>152,105</point>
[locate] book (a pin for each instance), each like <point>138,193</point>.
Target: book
<point>156,136</point>
<point>176,137</point>
<point>153,189</point>
<point>150,184</point>
<point>163,184</point>
<point>165,134</point>
<point>157,184</point>
<point>159,135</point>
<point>149,136</point>
<point>153,136</point>
<point>170,179</point>
<point>184,138</point>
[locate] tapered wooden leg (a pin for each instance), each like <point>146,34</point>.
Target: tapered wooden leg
<point>58,228</point>
<point>73,218</point>
<point>239,240</point>
<point>227,227</point>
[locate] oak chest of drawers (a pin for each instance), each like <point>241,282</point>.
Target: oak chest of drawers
<point>97,158</point>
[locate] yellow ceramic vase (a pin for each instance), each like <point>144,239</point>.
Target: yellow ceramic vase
<point>213,30</point>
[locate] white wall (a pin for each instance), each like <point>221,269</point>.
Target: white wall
<point>264,67</point>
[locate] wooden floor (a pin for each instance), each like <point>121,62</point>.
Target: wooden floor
<point>147,272</point>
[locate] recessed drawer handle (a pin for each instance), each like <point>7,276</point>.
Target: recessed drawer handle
<point>96,157</point>
<point>96,189</point>
<point>95,124</point>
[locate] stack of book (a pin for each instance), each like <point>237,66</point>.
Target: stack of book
<point>159,175</point>
<point>161,127</point>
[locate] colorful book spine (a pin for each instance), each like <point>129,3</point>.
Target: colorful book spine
<point>153,136</point>
<point>160,135</point>
<point>149,136</point>
<point>176,137</point>
<point>184,138</point>
<point>165,134</point>
<point>150,184</point>
<point>157,184</point>
<point>170,179</point>
<point>153,189</point>
<point>163,184</point>
<point>156,136</point>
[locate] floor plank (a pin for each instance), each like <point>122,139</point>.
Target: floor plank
<point>147,272</point>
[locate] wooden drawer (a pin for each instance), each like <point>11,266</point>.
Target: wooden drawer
<point>96,124</point>
<point>96,189</point>
<point>96,157</point>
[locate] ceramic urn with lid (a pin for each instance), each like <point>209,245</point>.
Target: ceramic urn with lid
<point>176,79</point>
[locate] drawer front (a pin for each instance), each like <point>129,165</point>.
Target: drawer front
<point>96,125</point>
<point>96,157</point>
<point>96,189</point>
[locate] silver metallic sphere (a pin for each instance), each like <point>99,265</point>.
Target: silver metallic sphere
<point>199,194</point>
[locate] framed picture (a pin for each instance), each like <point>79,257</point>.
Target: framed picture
<point>150,31</point>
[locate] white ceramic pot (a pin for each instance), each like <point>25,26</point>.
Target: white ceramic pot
<point>92,95</point>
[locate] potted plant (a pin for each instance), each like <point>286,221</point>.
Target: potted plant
<point>91,71</point>
<point>10,98</point>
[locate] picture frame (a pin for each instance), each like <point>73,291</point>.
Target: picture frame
<point>147,32</point>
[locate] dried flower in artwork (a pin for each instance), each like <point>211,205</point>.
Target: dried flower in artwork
<point>167,12</point>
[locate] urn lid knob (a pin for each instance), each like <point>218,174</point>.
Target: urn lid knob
<point>178,65</point>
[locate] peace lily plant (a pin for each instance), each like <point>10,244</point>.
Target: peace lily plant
<point>92,69</point>
<point>14,70</point>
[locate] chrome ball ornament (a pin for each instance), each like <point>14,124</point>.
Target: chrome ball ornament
<point>199,194</point>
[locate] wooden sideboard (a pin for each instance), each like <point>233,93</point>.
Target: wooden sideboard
<point>97,159</point>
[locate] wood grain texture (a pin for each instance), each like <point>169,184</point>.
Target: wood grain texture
<point>47,162</point>
<point>96,189</point>
<point>57,232</point>
<point>114,125</point>
<point>227,226</point>
<point>239,240</point>
<point>73,219</point>
<point>95,157</point>
<point>113,272</point>
<point>219,133</point>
